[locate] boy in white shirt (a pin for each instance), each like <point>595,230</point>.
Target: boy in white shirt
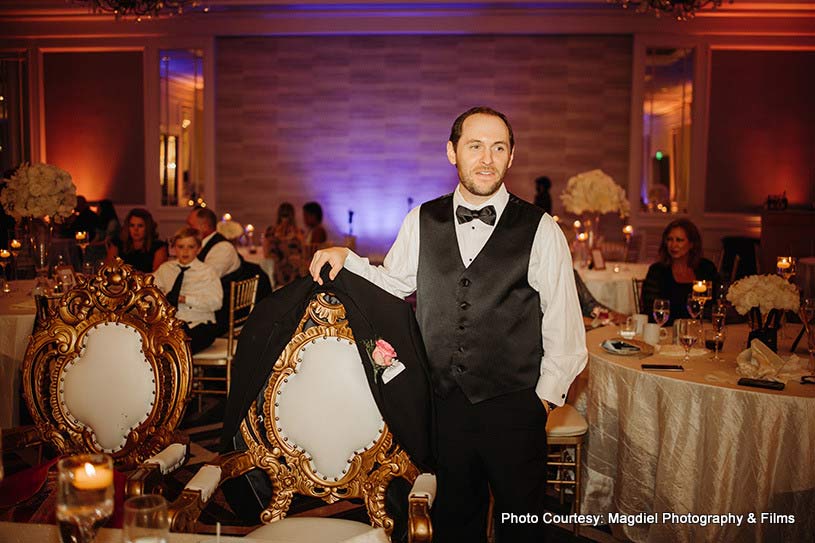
<point>193,287</point>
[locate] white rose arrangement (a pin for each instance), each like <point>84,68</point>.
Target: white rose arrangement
<point>230,229</point>
<point>763,295</point>
<point>39,190</point>
<point>594,192</point>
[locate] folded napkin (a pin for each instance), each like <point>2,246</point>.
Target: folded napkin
<point>760,362</point>
<point>678,351</point>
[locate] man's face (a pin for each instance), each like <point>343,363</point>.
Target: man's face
<point>193,221</point>
<point>482,156</point>
<point>186,249</point>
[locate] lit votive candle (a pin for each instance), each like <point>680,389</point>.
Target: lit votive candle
<point>700,287</point>
<point>250,228</point>
<point>628,229</point>
<point>577,224</point>
<point>582,236</point>
<point>227,217</point>
<point>555,218</point>
<point>4,254</point>
<point>81,236</point>
<point>90,477</point>
<point>783,263</point>
<point>15,245</point>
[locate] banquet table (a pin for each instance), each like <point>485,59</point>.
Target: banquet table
<point>17,313</point>
<point>695,442</point>
<point>266,264</point>
<point>614,288</point>
<point>11,532</point>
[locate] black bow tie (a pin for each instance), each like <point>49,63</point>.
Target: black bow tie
<point>485,214</point>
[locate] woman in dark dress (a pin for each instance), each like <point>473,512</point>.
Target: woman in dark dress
<point>680,264</point>
<point>138,243</point>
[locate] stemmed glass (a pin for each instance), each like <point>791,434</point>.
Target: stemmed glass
<point>714,338</point>
<point>5,256</point>
<point>688,333</point>
<point>695,306</point>
<point>146,520</point>
<point>84,496</point>
<point>661,311</point>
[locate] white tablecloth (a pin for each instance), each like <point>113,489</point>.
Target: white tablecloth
<point>17,312</point>
<point>614,288</point>
<point>695,442</point>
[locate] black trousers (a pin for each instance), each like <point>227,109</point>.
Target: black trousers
<point>201,336</point>
<point>499,444</point>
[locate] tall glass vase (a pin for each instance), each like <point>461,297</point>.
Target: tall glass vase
<point>592,224</point>
<point>39,234</point>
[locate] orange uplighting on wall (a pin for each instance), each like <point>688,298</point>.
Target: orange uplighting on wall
<point>94,122</point>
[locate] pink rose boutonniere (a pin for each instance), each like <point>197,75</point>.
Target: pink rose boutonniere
<point>382,355</point>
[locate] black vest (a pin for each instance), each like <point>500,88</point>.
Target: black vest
<point>481,325</point>
<point>214,240</point>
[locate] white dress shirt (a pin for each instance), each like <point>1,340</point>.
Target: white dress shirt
<point>550,274</point>
<point>223,257</point>
<point>201,290</point>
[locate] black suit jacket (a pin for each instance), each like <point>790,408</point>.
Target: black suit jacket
<point>405,402</point>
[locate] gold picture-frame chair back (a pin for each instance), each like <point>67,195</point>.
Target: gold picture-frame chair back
<point>294,468</point>
<point>109,369</point>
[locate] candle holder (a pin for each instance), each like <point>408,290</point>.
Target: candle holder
<point>628,232</point>
<point>14,247</point>
<point>5,257</point>
<point>785,266</point>
<point>84,496</point>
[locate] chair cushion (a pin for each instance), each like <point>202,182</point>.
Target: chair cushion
<point>565,421</point>
<point>311,530</point>
<point>216,351</point>
<point>326,408</point>
<point>110,387</point>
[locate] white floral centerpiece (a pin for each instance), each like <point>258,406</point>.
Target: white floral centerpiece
<point>594,192</point>
<point>764,298</point>
<point>230,229</point>
<point>39,191</point>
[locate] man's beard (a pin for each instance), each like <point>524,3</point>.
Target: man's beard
<point>480,190</point>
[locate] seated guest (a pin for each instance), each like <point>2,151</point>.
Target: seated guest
<point>680,264</point>
<point>216,250</point>
<point>283,243</point>
<point>138,243</point>
<point>313,219</point>
<point>108,225</point>
<point>193,287</point>
<point>83,219</point>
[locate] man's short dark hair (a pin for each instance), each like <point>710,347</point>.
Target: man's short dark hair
<point>455,131</point>
<point>313,208</point>
<point>208,216</point>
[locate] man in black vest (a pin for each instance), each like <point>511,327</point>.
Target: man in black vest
<point>500,318</point>
<point>216,250</point>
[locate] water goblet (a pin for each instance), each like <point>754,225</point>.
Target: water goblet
<point>661,311</point>
<point>714,340</point>
<point>695,306</point>
<point>718,316</point>
<point>84,496</point>
<point>146,520</point>
<point>688,334</point>
<point>785,266</point>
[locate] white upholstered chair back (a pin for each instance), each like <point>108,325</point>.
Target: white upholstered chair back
<point>116,360</point>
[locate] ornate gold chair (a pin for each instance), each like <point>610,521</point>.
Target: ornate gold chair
<point>242,298</point>
<point>109,371</point>
<point>316,431</point>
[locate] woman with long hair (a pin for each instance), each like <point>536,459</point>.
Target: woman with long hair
<point>680,263</point>
<point>138,243</point>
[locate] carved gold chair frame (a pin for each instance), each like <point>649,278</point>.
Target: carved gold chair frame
<point>289,467</point>
<point>117,294</point>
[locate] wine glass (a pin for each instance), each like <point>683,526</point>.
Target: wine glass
<point>807,312</point>
<point>84,496</point>
<point>146,520</point>
<point>714,340</point>
<point>688,334</point>
<point>718,317</point>
<point>5,256</point>
<point>695,306</point>
<point>661,311</point>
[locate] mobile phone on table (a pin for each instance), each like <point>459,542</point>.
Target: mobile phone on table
<point>662,367</point>
<point>761,383</point>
